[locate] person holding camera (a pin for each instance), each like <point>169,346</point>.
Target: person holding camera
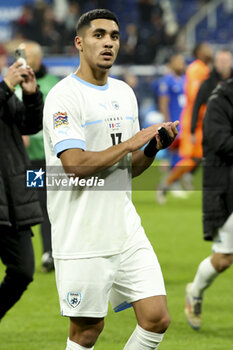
<point>19,208</point>
<point>35,144</point>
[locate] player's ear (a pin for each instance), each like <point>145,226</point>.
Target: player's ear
<point>78,43</point>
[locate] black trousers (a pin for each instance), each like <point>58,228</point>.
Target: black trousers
<point>16,253</point>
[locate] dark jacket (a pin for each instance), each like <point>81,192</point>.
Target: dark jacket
<point>218,159</point>
<point>203,94</point>
<point>18,205</point>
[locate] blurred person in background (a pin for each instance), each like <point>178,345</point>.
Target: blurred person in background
<point>191,153</point>
<point>35,143</point>
<point>151,35</point>
<point>146,8</point>
<point>70,20</point>
<point>19,207</point>
<point>169,91</point>
<point>157,37</point>
<point>221,71</point>
<point>52,32</point>
<point>27,26</point>
<point>40,24</point>
<point>134,82</point>
<point>217,198</point>
<point>129,46</point>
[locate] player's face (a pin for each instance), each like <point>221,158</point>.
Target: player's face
<point>206,52</point>
<point>223,63</point>
<point>100,43</point>
<point>178,64</point>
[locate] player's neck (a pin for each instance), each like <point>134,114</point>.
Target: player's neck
<point>176,74</point>
<point>95,77</point>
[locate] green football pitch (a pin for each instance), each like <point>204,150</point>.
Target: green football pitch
<point>175,232</point>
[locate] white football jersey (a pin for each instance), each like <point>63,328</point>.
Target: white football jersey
<point>90,222</point>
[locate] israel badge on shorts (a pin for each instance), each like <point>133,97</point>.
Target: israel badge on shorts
<point>74,298</point>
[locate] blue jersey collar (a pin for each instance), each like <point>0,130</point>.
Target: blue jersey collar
<point>97,87</point>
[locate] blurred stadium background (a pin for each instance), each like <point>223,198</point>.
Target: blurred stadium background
<point>150,32</point>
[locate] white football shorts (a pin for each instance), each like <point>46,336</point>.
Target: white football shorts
<point>223,238</point>
<point>86,285</point>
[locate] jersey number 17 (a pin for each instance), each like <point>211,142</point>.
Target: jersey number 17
<point>116,138</point>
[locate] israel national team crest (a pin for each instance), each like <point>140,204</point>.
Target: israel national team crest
<point>115,104</point>
<point>74,298</point>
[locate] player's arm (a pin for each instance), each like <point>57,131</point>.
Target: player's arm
<point>193,78</point>
<point>163,104</point>
<point>86,163</point>
<point>163,98</point>
<point>192,89</point>
<point>141,160</point>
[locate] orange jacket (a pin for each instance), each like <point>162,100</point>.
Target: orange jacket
<point>196,73</point>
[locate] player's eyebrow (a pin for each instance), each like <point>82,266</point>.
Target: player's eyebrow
<point>103,31</point>
<point>116,32</point>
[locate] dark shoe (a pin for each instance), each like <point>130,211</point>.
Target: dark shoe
<point>47,262</point>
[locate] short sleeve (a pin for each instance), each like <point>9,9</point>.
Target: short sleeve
<point>62,118</point>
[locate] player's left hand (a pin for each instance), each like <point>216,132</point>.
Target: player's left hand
<point>164,141</point>
<point>29,84</point>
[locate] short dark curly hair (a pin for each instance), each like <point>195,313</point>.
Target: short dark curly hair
<point>89,16</point>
